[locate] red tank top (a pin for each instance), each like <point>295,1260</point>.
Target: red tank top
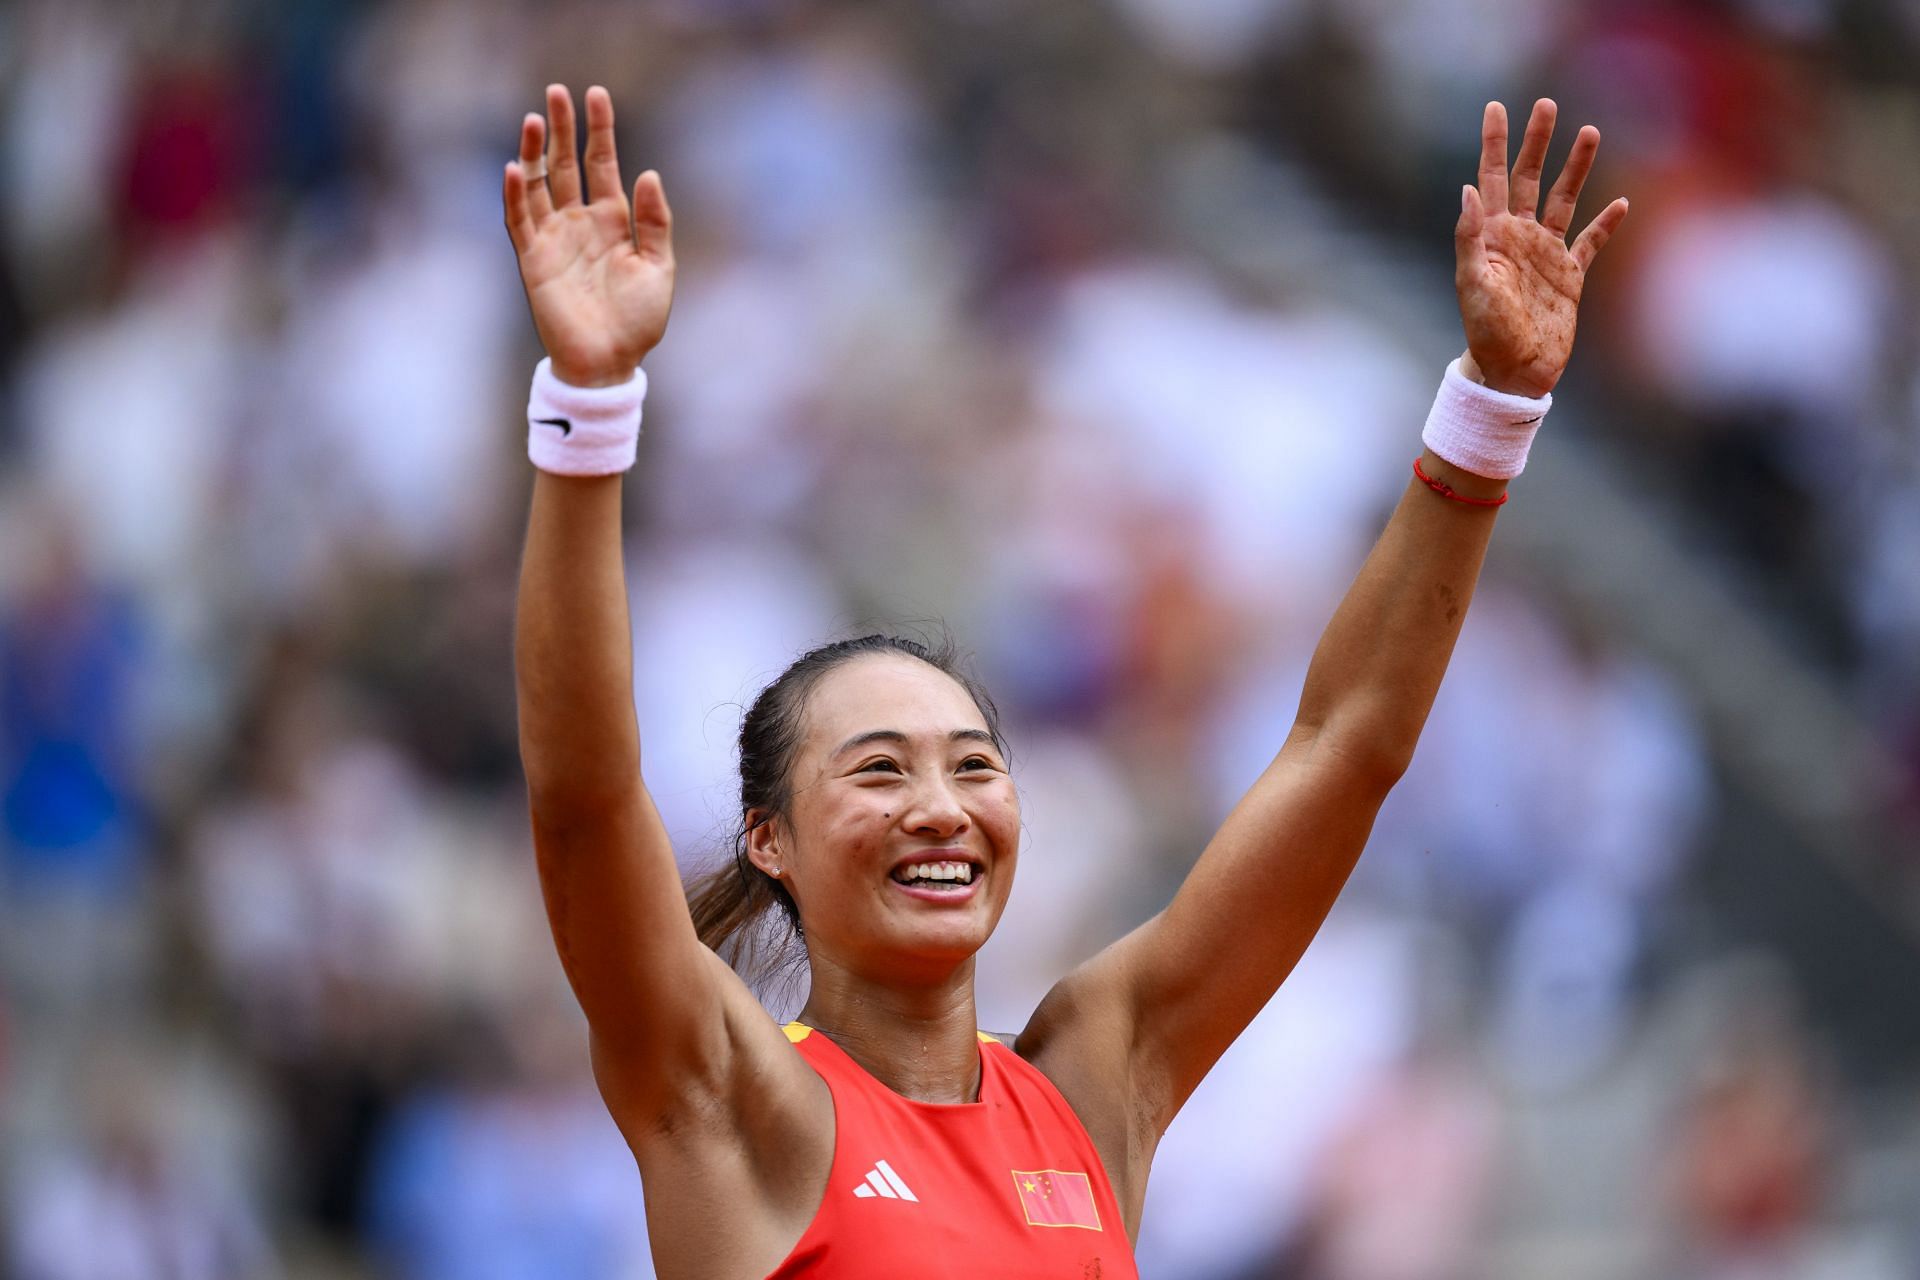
<point>1008,1187</point>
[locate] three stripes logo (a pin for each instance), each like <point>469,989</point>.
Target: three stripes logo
<point>882,1182</point>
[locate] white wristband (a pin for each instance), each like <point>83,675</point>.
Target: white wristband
<point>1481,430</point>
<point>583,431</point>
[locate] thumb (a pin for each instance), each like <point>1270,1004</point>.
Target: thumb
<point>1470,253</point>
<point>652,219</point>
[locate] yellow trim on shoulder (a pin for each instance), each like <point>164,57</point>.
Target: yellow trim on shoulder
<point>798,1031</point>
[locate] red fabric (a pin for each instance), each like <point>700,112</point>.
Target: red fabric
<point>1008,1187</point>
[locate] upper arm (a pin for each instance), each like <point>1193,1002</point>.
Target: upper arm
<point>665,1011</point>
<point>714,1103</point>
<point>1188,981</point>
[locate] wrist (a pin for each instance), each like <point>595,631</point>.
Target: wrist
<point>1471,370</point>
<point>588,376</point>
<point>1462,481</point>
<point>1479,429</point>
<point>576,430</point>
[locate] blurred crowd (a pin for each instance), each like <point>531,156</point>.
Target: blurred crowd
<point>278,997</point>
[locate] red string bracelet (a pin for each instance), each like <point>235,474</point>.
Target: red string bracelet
<point>1446,490</point>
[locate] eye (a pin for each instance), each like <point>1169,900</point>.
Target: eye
<point>982,761</point>
<point>869,768</point>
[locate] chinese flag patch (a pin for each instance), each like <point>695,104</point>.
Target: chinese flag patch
<point>1055,1199</point>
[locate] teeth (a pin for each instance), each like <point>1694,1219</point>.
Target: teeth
<point>961,872</point>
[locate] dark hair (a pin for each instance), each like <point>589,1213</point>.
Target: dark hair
<point>739,910</point>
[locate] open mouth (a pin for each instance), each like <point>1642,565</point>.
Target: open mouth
<point>936,877</point>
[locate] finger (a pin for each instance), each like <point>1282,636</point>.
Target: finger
<point>1598,232</point>
<point>603,163</point>
<point>513,194</point>
<point>1469,251</point>
<point>563,169</point>
<point>1493,157</point>
<point>1532,158</point>
<point>1558,213</point>
<point>652,219</point>
<point>1557,216</point>
<point>533,167</point>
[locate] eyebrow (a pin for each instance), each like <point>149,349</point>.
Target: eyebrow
<point>894,735</point>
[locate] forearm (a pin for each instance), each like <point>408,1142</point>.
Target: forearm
<point>1378,666</point>
<point>573,649</point>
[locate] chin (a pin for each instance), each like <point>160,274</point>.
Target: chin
<point>940,946</point>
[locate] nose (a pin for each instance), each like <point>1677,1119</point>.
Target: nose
<point>936,810</point>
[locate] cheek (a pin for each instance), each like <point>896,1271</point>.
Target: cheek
<point>1000,813</point>
<point>858,819</point>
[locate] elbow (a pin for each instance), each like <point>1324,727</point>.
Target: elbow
<point>564,805</point>
<point>581,771</point>
<point>1368,759</point>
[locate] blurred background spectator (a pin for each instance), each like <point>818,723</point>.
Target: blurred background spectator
<point>1101,333</point>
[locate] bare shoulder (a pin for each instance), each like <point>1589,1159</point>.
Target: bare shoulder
<point>1082,1038</point>
<point>751,1128</point>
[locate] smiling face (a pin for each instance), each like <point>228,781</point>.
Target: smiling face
<point>896,772</point>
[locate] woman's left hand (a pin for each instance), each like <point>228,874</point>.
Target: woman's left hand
<point>1518,281</point>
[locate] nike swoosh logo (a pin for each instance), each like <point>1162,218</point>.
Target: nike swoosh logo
<point>566,428</point>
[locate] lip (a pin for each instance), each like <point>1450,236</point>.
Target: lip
<point>947,897</point>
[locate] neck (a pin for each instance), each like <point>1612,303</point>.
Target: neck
<point>919,1041</point>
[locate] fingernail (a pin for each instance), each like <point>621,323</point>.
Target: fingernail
<point>1466,197</point>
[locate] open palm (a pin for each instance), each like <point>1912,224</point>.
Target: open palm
<point>1517,279</point>
<point>598,272</point>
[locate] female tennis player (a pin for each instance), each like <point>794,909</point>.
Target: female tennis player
<point>882,1135</point>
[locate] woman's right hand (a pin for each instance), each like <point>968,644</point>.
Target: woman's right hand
<point>598,274</point>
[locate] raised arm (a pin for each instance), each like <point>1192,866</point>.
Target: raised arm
<point>1186,983</point>
<point>599,282</point>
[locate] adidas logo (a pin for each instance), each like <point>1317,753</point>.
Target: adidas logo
<point>882,1181</point>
